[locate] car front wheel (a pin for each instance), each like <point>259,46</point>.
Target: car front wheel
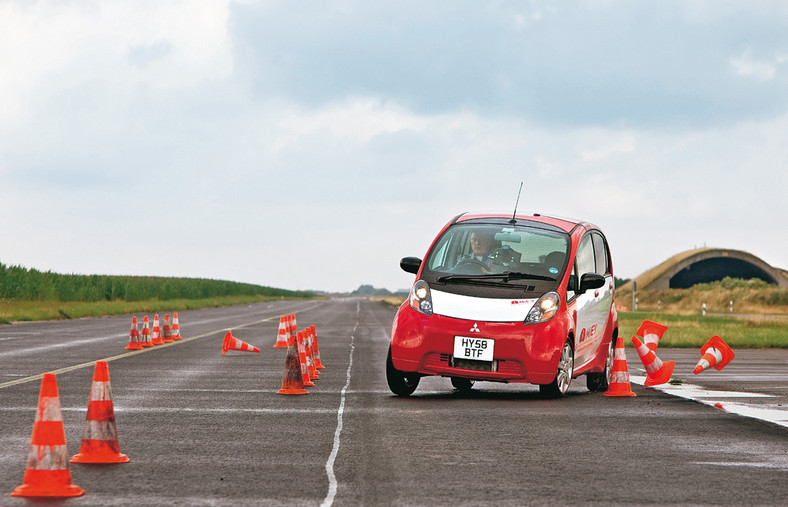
<point>563,375</point>
<point>401,383</point>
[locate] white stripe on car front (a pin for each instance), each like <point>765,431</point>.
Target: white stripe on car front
<point>482,309</point>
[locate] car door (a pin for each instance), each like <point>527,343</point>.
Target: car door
<point>591,313</point>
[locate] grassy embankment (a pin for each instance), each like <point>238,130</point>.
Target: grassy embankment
<point>759,319</point>
<point>35,295</point>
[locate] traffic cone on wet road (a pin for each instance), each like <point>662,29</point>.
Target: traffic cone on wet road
<point>155,335</point>
<point>134,336</point>
<point>230,342</point>
<point>281,334</point>
<point>318,363</point>
<point>47,473</point>
<point>166,332</point>
<point>302,357</point>
<point>176,328</point>
<point>657,371</point>
<point>619,374</point>
<point>715,353</point>
<point>100,435</point>
<point>146,341</point>
<point>651,332</point>
<point>292,380</point>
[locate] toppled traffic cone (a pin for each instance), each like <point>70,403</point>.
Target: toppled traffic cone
<point>176,328</point>
<point>100,435</point>
<point>155,335</point>
<point>619,374</point>
<point>302,358</point>
<point>292,380</point>
<point>230,342</point>
<point>651,332</point>
<point>281,334</point>
<point>166,332</point>
<point>318,364</point>
<point>657,371</point>
<point>715,353</point>
<point>47,471</point>
<point>146,341</point>
<point>134,336</point>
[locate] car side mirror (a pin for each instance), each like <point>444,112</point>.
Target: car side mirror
<point>410,264</point>
<point>590,281</point>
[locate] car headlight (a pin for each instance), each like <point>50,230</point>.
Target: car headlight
<point>420,298</point>
<point>544,309</point>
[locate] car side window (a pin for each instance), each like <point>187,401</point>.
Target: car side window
<point>586,261</point>
<point>601,253</point>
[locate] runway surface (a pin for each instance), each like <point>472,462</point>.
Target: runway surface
<point>201,428</point>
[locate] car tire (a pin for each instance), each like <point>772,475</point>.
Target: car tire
<point>563,375</point>
<point>401,383</point>
<point>463,385</point>
<point>600,381</point>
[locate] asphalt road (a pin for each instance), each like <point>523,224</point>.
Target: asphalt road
<point>201,428</point>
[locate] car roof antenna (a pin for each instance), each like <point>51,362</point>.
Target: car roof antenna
<point>513,220</point>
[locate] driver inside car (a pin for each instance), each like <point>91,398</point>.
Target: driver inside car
<point>485,250</point>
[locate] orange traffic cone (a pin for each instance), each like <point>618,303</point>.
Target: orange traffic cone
<point>134,336</point>
<point>281,335</point>
<point>292,380</point>
<point>651,332</point>
<point>230,342</point>
<point>166,333</point>
<point>715,353</point>
<point>302,357</point>
<point>146,339</point>
<point>293,325</point>
<point>155,336</point>
<point>310,355</point>
<point>100,436</point>
<point>47,471</point>
<point>176,328</point>
<point>657,371</point>
<point>318,363</point>
<point>619,375</point>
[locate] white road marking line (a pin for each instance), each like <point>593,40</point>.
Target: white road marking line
<point>770,413</point>
<point>332,478</point>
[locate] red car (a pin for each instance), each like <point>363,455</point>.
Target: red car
<point>508,299</point>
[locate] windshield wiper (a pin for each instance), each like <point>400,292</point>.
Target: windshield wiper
<point>505,277</point>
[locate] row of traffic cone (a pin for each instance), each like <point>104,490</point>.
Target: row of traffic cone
<point>715,353</point>
<point>151,338</point>
<point>47,473</point>
<point>302,363</point>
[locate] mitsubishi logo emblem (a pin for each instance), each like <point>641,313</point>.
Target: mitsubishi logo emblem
<point>475,328</point>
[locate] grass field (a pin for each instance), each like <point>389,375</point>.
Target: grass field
<point>755,331</point>
<point>50,310</point>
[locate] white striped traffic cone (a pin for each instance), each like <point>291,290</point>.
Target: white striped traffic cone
<point>651,332</point>
<point>715,353</point>
<point>657,371</point>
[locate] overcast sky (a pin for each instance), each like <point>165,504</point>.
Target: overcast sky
<point>311,145</point>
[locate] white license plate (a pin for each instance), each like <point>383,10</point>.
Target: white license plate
<point>480,349</point>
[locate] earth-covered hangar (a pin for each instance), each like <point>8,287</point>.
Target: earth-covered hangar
<point>705,265</point>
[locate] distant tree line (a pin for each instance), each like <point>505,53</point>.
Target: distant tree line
<point>22,284</point>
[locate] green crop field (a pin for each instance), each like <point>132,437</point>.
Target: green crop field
<point>29,294</point>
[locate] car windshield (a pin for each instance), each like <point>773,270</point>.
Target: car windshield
<point>498,253</point>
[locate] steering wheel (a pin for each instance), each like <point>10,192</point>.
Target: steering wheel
<point>471,267</point>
